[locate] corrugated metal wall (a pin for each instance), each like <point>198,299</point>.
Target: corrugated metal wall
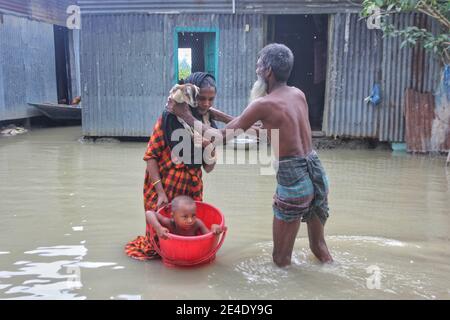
<point>123,62</point>
<point>51,11</point>
<point>127,67</point>
<point>27,66</point>
<point>127,70</point>
<point>403,68</point>
<point>358,59</point>
<point>354,64</point>
<point>219,6</point>
<point>298,6</point>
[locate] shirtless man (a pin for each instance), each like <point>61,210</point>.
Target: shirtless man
<point>302,187</point>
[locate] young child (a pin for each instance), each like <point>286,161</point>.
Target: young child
<point>184,221</point>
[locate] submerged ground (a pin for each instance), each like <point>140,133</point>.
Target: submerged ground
<point>67,209</point>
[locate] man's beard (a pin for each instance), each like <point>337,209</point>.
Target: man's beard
<point>259,89</point>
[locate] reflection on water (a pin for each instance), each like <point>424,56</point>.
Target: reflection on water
<point>68,208</point>
<point>56,279</point>
<point>56,251</point>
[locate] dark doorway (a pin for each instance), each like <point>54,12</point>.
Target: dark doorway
<point>196,52</point>
<point>306,36</point>
<point>61,35</point>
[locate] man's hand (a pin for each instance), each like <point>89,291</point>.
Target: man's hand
<point>162,232</point>
<point>179,109</point>
<point>216,229</point>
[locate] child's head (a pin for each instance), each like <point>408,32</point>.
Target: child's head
<point>184,212</point>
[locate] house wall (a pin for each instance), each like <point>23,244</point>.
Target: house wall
<point>27,66</point>
<point>127,67</point>
<point>49,11</point>
<point>359,58</point>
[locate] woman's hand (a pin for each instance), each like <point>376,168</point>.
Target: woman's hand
<point>162,200</point>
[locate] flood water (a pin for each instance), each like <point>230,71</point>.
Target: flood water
<point>68,208</point>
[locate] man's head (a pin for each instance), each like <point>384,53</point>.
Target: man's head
<point>277,59</point>
<point>184,212</point>
<point>275,62</point>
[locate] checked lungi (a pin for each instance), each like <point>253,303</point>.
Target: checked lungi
<point>302,189</point>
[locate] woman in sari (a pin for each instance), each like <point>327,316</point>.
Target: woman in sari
<point>165,177</point>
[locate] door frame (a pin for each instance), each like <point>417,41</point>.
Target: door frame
<point>214,30</point>
<point>330,29</point>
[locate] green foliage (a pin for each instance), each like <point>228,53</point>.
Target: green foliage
<point>184,73</point>
<point>439,10</point>
<point>184,69</point>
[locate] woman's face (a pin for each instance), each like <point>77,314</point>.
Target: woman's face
<point>205,99</point>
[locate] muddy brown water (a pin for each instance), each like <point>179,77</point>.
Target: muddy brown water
<point>67,209</point>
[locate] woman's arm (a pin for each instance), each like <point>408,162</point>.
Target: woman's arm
<point>155,177</point>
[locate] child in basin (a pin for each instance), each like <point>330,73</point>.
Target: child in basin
<point>183,222</point>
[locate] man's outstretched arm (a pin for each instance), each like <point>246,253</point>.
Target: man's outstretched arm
<point>220,115</point>
<point>254,112</point>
